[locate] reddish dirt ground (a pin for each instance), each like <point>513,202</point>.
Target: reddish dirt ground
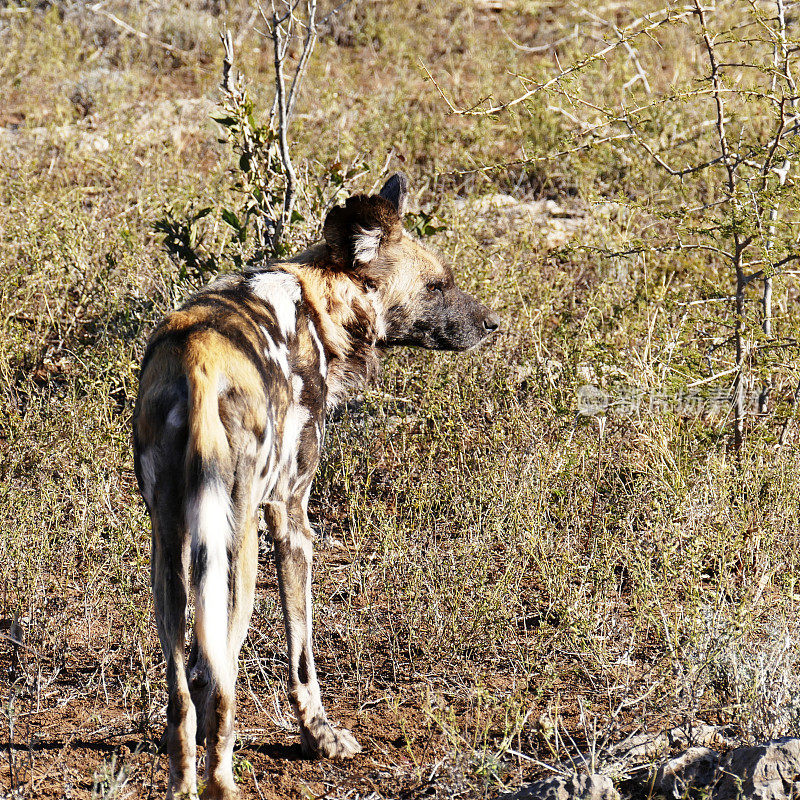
<point>75,719</point>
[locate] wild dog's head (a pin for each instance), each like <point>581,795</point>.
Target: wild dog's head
<point>414,293</point>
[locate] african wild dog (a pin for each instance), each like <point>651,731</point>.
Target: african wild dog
<point>231,415</point>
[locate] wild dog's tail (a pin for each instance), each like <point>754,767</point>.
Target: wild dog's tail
<point>209,517</point>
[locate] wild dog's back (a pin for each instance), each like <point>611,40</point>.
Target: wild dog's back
<point>228,367</point>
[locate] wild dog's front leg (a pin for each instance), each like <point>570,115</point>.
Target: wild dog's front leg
<point>292,536</point>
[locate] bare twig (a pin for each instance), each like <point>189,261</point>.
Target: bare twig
<point>284,102</point>
<point>539,48</point>
<point>267,176</point>
<point>308,47</point>
<point>97,8</point>
<point>279,54</point>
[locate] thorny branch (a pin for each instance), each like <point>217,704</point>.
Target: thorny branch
<point>740,332</point>
<point>627,35</point>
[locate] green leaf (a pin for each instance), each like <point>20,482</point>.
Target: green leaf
<point>227,122</point>
<point>203,212</point>
<point>231,219</point>
<point>422,224</point>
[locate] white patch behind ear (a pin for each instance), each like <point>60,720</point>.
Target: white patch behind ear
<point>366,244</point>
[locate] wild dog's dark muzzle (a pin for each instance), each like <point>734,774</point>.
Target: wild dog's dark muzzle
<point>469,323</point>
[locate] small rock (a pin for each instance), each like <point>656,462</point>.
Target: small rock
<point>575,787</point>
<point>91,143</point>
<point>555,210</point>
<point>492,202</point>
<point>82,99</point>
<point>694,769</point>
<point>172,119</point>
<point>700,734</point>
<point>769,771</point>
<point>645,746</point>
<point>642,746</point>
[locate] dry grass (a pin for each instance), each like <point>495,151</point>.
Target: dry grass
<point>501,583</point>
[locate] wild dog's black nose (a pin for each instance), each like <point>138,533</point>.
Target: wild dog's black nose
<point>491,323</point>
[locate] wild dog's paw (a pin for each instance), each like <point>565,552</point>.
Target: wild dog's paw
<point>216,790</point>
<point>322,740</point>
<point>181,793</point>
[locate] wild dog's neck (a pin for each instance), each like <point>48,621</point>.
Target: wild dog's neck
<point>349,323</point>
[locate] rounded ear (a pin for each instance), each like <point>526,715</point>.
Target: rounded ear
<point>354,234</point>
<point>336,232</point>
<point>395,190</point>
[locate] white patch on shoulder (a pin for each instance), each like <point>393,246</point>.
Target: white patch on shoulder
<point>366,244</point>
<point>323,362</point>
<point>293,423</point>
<point>263,466</point>
<point>282,291</point>
<point>278,353</point>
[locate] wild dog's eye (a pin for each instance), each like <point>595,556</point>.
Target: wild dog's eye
<point>369,285</point>
<point>436,286</point>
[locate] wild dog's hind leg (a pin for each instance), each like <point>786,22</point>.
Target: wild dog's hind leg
<point>292,536</point>
<point>220,695</point>
<point>170,578</point>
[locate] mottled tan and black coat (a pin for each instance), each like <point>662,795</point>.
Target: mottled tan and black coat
<point>231,416</point>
